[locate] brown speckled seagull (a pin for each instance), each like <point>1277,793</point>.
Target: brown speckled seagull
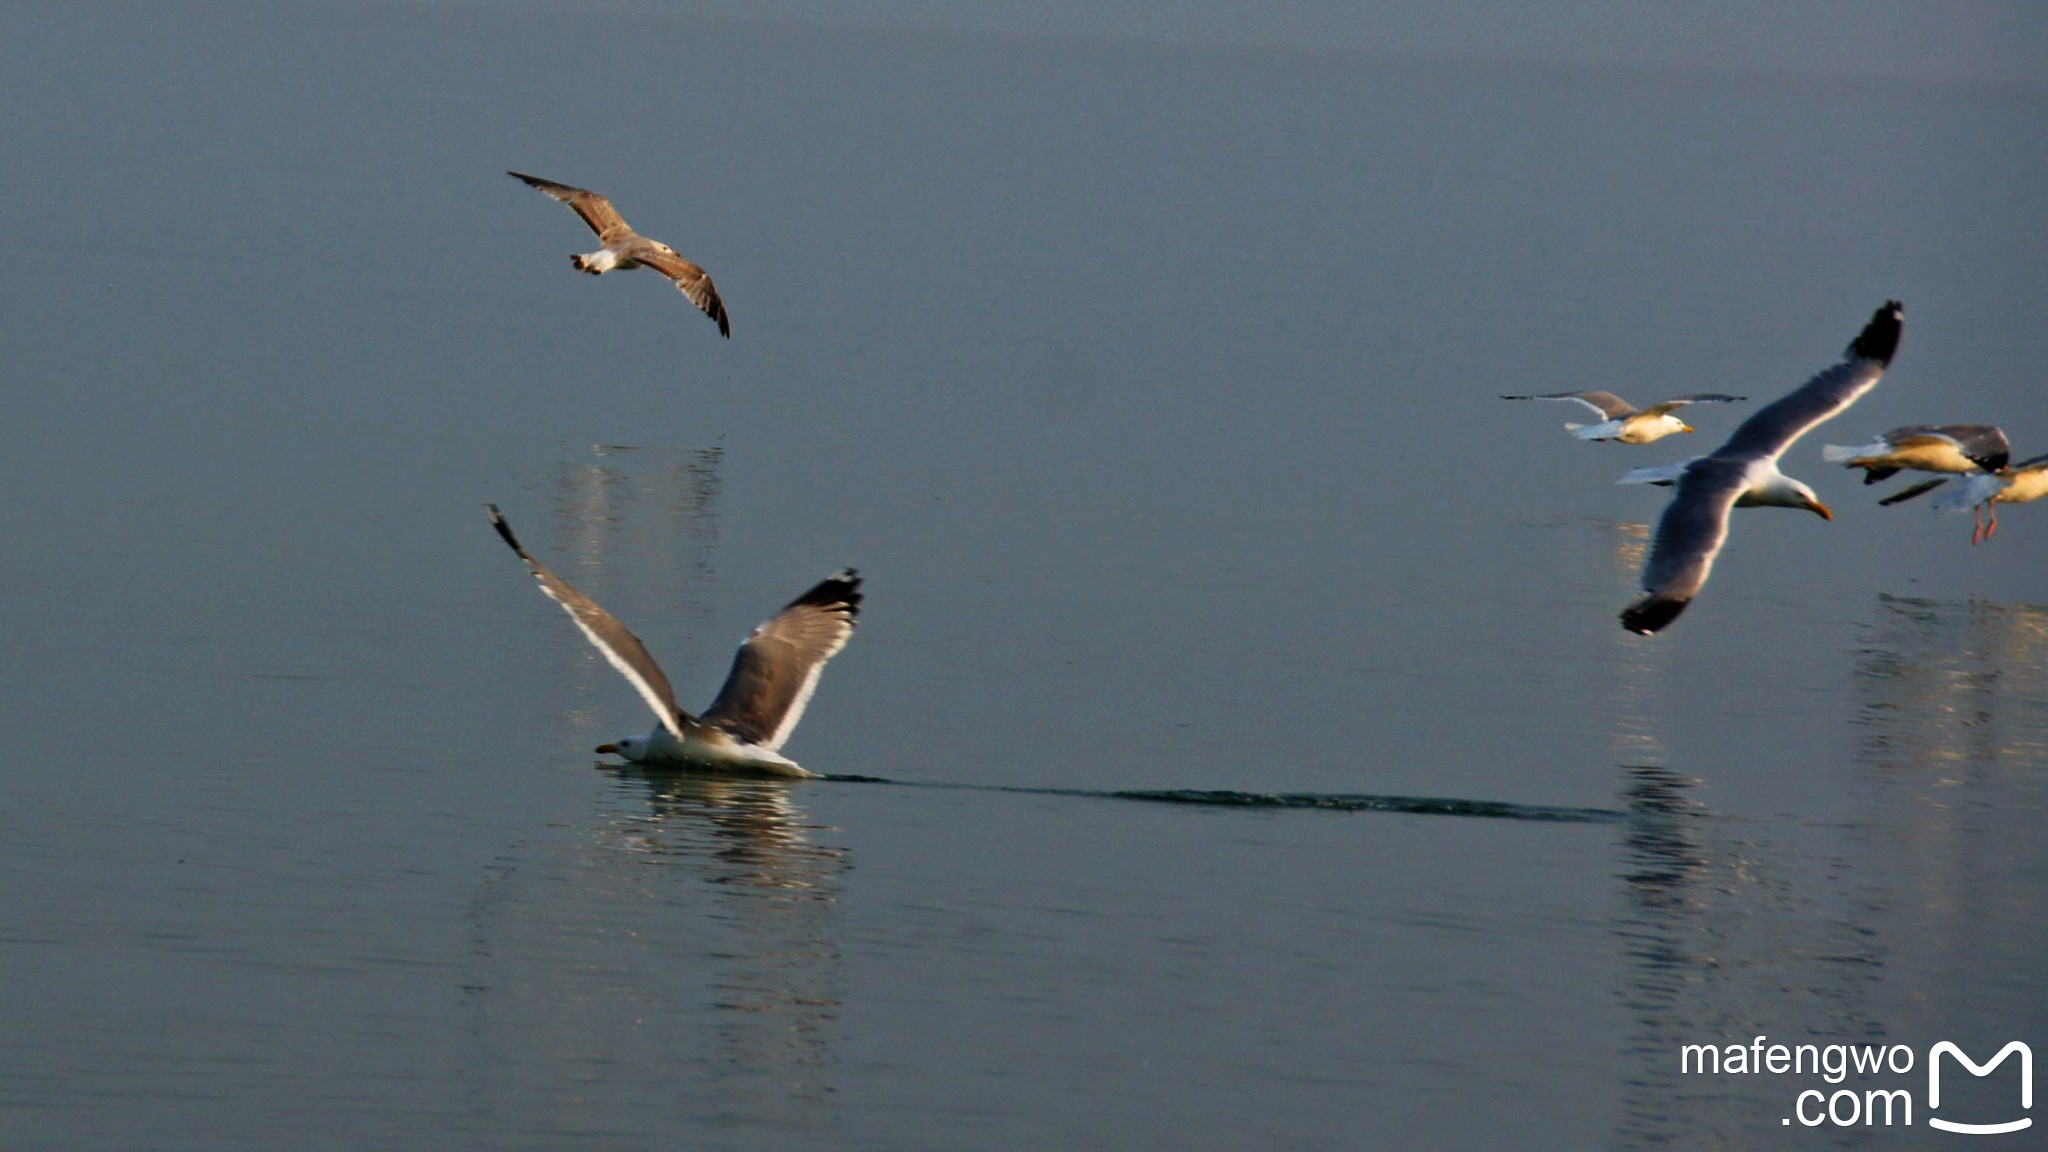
<point>624,248</point>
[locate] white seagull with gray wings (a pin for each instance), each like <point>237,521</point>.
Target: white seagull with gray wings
<point>1623,421</point>
<point>771,681</point>
<point>1743,473</point>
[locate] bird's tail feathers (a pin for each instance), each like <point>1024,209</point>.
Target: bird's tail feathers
<point>1606,430</point>
<point>1843,453</point>
<point>1662,475</point>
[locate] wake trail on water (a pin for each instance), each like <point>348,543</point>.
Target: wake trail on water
<point>1328,801</point>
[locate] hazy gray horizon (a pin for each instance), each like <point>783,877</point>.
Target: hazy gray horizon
<point>1997,41</point>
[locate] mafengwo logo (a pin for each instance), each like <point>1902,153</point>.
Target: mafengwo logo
<point>1934,1086</point>
<point>1847,1107</point>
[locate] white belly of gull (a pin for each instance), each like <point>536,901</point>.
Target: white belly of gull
<point>663,750</point>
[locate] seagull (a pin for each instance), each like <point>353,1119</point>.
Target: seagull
<point>1984,491</point>
<point>771,681</point>
<point>1951,448</point>
<point>1623,421</point>
<point>1744,473</point>
<point>626,249</point>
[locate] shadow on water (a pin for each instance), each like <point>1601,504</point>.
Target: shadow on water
<point>1328,801</point>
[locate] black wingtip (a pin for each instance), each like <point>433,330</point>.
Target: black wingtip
<point>1874,474</point>
<point>504,529</point>
<point>1652,614</point>
<point>839,590</point>
<point>1879,339</point>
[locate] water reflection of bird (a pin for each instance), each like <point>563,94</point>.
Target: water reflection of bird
<point>1665,869</point>
<point>1620,420</point>
<point>1744,473</point>
<point>775,989</point>
<point>1952,720</point>
<point>1949,682</point>
<point>625,249</point>
<point>747,830</point>
<point>764,696</point>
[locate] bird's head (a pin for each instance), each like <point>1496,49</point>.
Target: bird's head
<point>1798,495</point>
<point>1784,492</point>
<point>1811,502</point>
<point>633,748</point>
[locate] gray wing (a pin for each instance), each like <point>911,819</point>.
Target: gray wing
<point>619,646</point>
<point>1690,535</point>
<point>595,210</point>
<point>777,669</point>
<point>1606,405</point>
<point>1677,402</point>
<point>1984,444</point>
<point>1767,434</point>
<point>690,280</point>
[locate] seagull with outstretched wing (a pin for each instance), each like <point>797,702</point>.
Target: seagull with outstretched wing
<point>1620,420</point>
<point>625,249</point>
<point>1955,449</point>
<point>765,694</point>
<point>1743,473</point>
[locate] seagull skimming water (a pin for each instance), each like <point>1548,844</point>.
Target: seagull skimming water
<point>771,681</point>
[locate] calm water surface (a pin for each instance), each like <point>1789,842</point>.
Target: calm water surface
<point>1153,390</point>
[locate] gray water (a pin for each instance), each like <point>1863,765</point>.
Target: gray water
<point>1153,390</point>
